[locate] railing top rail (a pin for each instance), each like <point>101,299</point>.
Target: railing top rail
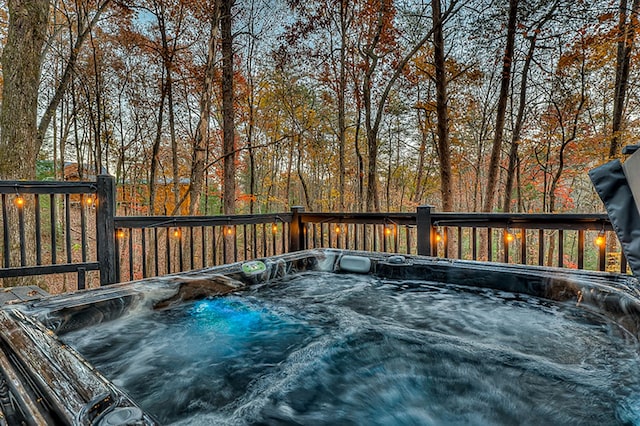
<point>360,218</point>
<point>44,187</point>
<point>186,221</point>
<point>569,221</point>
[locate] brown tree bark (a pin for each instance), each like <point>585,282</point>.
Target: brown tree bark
<point>494,164</point>
<point>515,137</point>
<point>626,38</point>
<point>21,67</point>
<point>200,145</point>
<point>228,114</point>
<point>444,148</point>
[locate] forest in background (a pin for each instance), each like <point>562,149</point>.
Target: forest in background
<point>254,106</point>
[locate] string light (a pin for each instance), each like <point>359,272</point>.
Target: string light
<point>19,201</point>
<point>510,236</point>
<point>387,230</point>
<point>438,236</point>
<point>120,233</point>
<point>338,230</point>
<point>89,201</point>
<point>177,233</point>
<point>229,230</point>
<point>600,240</point>
<point>274,228</point>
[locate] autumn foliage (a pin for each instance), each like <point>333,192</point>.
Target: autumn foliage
<point>335,103</point>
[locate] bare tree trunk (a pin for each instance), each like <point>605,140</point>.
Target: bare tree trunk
<point>229,191</point>
<point>444,149</point>
<point>342,87</point>
<point>494,163</point>
<point>155,150</point>
<point>201,137</point>
<point>515,137</point>
<point>21,62</point>
<point>626,36</point>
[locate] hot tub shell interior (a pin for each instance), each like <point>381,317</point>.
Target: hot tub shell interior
<point>46,382</point>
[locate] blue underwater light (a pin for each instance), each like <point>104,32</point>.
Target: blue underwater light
<point>227,315</point>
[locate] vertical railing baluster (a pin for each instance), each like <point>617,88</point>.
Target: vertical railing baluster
<point>5,232</point>
<point>235,243</point>
<point>395,238</point>
<point>245,241</point>
<point>375,238</point>
<point>560,248</point>
<point>459,242</point>
<point>541,247</point>
<point>168,250</point>
<point>23,246</point>
<point>156,252</point>
<point>52,214</point>
<point>203,241</point>
<point>490,244</point>
<point>67,224</point>
<point>523,246</point>
<point>180,251</point>
<point>581,249</point>
<point>445,241</point>
<point>191,249</point>
<point>505,245</point>
<point>143,243</point>
<point>39,230</point>
<point>623,263</point>
<point>474,243</point>
<point>116,268</point>
<point>213,246</point>
<point>82,278</point>
<point>130,254</point>
<point>264,240</point>
<point>83,228</point>
<point>254,240</point>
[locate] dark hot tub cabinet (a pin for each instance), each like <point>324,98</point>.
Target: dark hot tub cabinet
<point>43,381</point>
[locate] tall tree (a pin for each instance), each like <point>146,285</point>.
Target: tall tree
<point>505,81</point>
<point>21,68</point>
<point>202,131</point>
<point>626,35</point>
<point>228,112</point>
<point>444,148</point>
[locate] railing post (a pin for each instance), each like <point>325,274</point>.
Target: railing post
<point>424,230</point>
<point>105,229</point>
<point>297,241</point>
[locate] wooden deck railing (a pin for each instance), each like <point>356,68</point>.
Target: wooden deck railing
<point>92,238</point>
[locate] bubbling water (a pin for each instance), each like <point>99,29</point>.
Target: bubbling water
<point>321,348</point>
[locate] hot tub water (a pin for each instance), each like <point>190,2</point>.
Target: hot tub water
<point>324,348</point>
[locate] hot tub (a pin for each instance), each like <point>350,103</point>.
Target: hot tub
<point>330,337</point>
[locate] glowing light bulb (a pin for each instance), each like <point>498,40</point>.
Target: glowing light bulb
<point>338,230</point>
<point>89,201</point>
<point>119,233</point>
<point>438,237</point>
<point>19,201</point>
<point>229,230</point>
<point>510,237</point>
<point>176,233</point>
<point>274,228</point>
<point>387,231</point>
<point>600,240</point>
